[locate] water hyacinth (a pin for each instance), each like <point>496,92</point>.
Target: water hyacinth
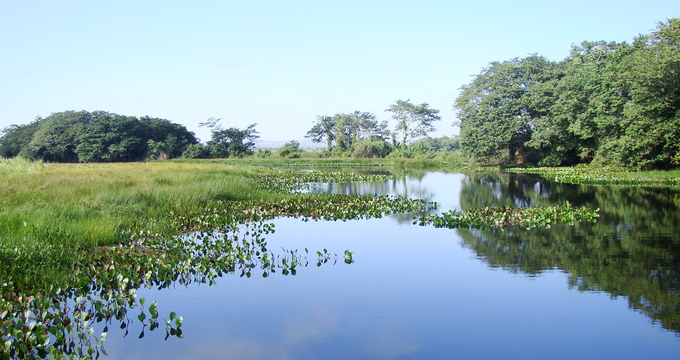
<point>536,217</point>
<point>604,175</point>
<point>287,181</point>
<point>35,325</point>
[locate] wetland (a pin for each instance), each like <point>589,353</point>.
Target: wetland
<point>354,264</point>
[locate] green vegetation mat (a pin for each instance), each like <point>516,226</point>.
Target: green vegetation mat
<point>604,175</point>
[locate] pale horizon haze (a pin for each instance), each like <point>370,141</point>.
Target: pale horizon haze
<point>280,63</point>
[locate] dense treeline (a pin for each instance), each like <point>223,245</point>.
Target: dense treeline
<point>98,136</point>
<point>607,102</point>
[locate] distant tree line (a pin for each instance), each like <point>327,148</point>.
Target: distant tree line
<point>360,134</point>
<point>99,136</point>
<point>607,102</point>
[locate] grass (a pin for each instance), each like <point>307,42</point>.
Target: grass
<point>19,166</point>
<point>54,219</point>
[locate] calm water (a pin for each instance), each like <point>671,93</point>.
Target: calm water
<point>604,290</point>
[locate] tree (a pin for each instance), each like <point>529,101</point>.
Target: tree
<point>323,130</point>
<point>15,138</point>
<point>495,113</point>
<point>72,136</point>
<point>291,150</point>
<point>651,137</point>
<point>231,142</point>
<point>413,120</point>
<point>366,127</point>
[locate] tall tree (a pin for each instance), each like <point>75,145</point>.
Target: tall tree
<point>495,114</point>
<point>651,138</point>
<point>231,142</point>
<point>413,120</point>
<point>322,130</point>
<point>15,138</point>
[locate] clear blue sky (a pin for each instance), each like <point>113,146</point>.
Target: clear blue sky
<point>280,63</point>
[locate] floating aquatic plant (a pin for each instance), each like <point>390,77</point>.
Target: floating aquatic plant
<point>535,217</point>
<point>604,175</point>
<point>287,181</point>
<point>35,325</point>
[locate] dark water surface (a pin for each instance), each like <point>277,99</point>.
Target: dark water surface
<point>605,290</point>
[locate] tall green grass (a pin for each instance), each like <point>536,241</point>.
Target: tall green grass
<point>18,166</point>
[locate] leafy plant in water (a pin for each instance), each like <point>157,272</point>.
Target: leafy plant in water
<point>604,175</point>
<point>536,217</point>
<point>105,291</point>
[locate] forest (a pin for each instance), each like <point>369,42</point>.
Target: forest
<point>607,102</point>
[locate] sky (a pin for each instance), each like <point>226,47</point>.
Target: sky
<point>281,63</point>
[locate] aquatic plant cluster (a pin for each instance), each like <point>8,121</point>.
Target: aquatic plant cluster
<point>287,181</point>
<point>603,175</point>
<point>38,325</point>
<point>534,217</point>
<point>313,206</point>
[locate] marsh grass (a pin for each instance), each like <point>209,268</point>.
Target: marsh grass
<point>20,166</point>
<point>53,219</point>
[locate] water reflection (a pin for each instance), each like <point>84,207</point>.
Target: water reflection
<point>632,251</point>
<point>415,292</point>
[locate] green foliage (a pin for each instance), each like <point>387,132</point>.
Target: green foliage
<point>98,136</point>
<point>346,130</point>
<point>413,120</point>
<point>441,144</point>
<point>604,175</point>
<point>496,111</point>
<point>290,150</point>
<point>195,151</point>
<point>372,149</point>
<point>231,142</point>
<point>16,137</point>
<point>607,102</point>
<point>532,217</point>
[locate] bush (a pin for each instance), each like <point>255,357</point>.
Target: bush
<point>372,149</point>
<point>195,151</point>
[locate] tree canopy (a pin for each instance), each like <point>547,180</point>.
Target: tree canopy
<point>231,142</point>
<point>607,102</point>
<point>99,136</point>
<point>413,120</point>
<point>346,130</point>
